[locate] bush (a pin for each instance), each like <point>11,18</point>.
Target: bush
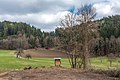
<point>110,73</point>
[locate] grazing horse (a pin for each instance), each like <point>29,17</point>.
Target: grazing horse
<point>18,55</point>
<point>28,56</point>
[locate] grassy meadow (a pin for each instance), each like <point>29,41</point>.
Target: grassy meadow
<point>8,61</point>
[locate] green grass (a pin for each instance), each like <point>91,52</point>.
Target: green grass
<point>8,61</point>
<point>105,64</point>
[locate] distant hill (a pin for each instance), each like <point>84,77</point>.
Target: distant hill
<point>8,28</point>
<point>110,26</point>
<point>15,35</point>
<point>107,39</point>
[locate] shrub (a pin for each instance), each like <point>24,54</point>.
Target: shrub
<point>110,73</point>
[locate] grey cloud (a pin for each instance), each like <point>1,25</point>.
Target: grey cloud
<point>45,27</point>
<point>112,5</point>
<point>22,8</point>
<point>31,6</point>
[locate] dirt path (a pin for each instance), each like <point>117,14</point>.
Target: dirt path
<point>53,74</point>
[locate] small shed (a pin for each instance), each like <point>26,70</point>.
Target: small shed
<point>57,61</point>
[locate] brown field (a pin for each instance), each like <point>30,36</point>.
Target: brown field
<point>45,53</point>
<point>53,74</point>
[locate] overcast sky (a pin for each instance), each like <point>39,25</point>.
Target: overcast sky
<point>46,14</point>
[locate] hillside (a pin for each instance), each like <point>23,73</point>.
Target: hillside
<point>8,28</point>
<point>15,35</point>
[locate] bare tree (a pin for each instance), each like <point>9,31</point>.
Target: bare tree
<point>37,44</point>
<point>79,29</point>
<point>69,39</point>
<point>88,30</point>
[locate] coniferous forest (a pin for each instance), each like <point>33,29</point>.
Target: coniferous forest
<point>15,35</point>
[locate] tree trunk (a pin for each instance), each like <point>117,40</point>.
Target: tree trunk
<point>85,58</point>
<point>86,53</point>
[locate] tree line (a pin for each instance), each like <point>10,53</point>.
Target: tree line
<point>15,35</point>
<point>108,40</point>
